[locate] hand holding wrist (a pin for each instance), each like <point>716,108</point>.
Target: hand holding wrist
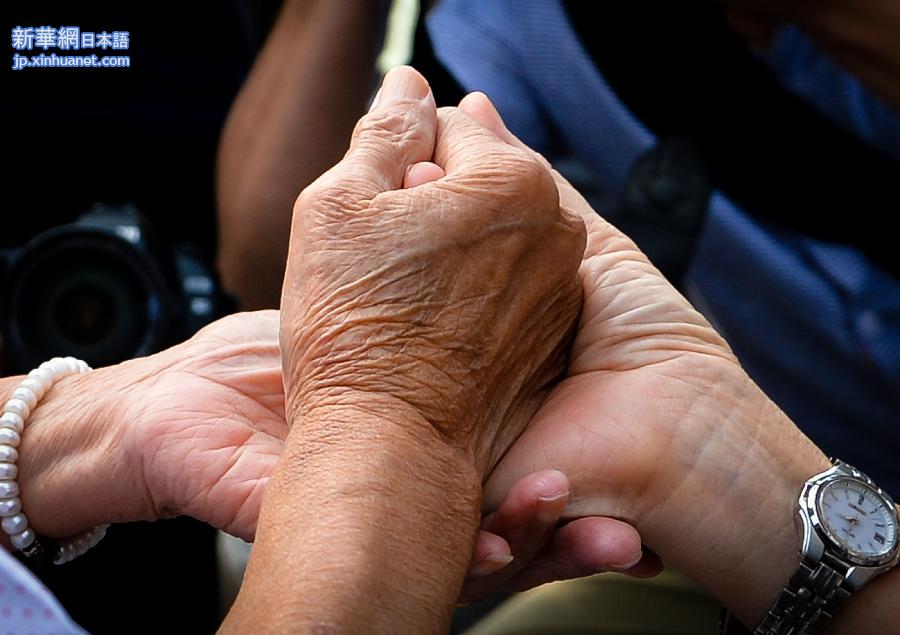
<point>657,424</point>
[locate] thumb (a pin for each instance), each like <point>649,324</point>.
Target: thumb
<point>397,132</point>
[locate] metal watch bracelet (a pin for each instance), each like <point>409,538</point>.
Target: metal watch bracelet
<point>829,572</point>
<point>808,601</point>
<point>804,607</point>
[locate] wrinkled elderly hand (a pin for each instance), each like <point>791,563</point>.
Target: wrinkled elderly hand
<point>453,301</point>
<point>657,424</point>
<point>428,306</point>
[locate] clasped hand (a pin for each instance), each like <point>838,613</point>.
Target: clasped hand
<point>433,280</point>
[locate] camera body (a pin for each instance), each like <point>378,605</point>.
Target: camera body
<point>103,289</point>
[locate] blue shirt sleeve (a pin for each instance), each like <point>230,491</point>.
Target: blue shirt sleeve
<point>479,43</point>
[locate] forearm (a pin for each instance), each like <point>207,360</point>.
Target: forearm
<point>367,526</point>
<point>290,122</point>
<point>860,34</point>
<point>731,523</point>
<point>74,471</point>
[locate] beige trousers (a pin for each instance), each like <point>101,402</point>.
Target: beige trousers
<point>607,604</point>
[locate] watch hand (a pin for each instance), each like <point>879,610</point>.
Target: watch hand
<point>853,520</point>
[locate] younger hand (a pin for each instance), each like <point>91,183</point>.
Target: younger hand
<point>197,430</point>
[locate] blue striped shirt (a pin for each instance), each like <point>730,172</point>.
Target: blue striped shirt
<point>815,324</point>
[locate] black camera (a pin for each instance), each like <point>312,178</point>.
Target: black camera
<point>103,289</point>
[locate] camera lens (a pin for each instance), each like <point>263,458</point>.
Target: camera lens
<point>84,314</point>
<point>83,297</point>
<point>93,306</point>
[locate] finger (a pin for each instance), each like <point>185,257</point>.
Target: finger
<point>499,178</point>
<point>526,520</point>
<point>490,554</point>
<point>482,110</point>
<point>536,501</point>
<point>397,132</point>
<point>649,566</point>
<point>583,547</point>
<point>421,173</point>
<point>464,146</point>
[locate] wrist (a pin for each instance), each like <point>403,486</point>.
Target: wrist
<point>370,506</point>
<point>74,470</point>
<point>729,517</point>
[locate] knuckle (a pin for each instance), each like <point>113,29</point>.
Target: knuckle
<point>393,125</point>
<point>307,199</point>
<point>530,168</point>
<point>531,179</point>
<point>326,199</point>
<point>527,172</point>
<point>574,234</point>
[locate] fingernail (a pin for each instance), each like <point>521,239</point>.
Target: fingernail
<point>375,101</point>
<point>402,82</point>
<point>548,511</point>
<point>550,498</point>
<point>490,565</point>
<point>628,565</point>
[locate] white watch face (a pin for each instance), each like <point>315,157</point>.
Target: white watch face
<point>860,519</point>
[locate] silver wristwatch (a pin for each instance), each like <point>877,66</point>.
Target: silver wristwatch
<point>850,535</point>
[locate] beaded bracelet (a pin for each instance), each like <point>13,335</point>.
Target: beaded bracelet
<point>24,399</point>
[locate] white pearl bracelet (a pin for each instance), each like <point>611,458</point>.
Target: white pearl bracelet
<point>23,400</point>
